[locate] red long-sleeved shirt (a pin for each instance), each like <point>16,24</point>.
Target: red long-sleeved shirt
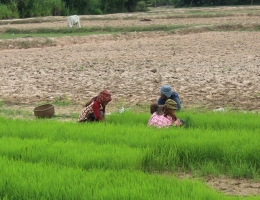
<point>97,107</point>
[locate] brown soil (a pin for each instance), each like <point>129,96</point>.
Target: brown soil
<point>207,69</point>
<point>228,186</point>
<point>241,187</point>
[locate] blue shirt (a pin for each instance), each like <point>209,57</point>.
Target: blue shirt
<point>174,97</point>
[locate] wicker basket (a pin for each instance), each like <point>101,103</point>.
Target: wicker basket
<point>42,111</point>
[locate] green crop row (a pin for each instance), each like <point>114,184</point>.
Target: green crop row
<point>123,158</point>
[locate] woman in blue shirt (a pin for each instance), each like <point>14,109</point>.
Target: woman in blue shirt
<point>167,93</point>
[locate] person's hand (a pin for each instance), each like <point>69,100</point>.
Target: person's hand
<point>177,123</point>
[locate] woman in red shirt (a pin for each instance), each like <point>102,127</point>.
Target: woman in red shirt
<point>95,109</point>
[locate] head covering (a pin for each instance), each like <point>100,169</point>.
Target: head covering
<point>156,108</point>
<point>166,90</point>
<point>104,96</point>
<point>170,104</point>
<point>101,98</point>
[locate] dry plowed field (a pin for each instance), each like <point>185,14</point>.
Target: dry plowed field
<point>209,69</point>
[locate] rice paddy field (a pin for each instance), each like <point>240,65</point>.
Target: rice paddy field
<point>123,158</point>
<point>210,56</point>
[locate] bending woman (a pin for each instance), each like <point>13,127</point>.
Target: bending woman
<point>167,117</point>
<point>95,109</point>
<point>167,93</point>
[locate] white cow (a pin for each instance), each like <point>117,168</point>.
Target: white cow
<point>73,20</point>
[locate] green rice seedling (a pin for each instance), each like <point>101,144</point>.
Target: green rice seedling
<point>194,149</point>
<point>27,180</point>
<point>14,113</point>
<point>85,155</point>
<point>213,143</point>
<point>222,120</point>
<point>128,118</point>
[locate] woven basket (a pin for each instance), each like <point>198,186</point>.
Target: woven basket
<point>42,111</point>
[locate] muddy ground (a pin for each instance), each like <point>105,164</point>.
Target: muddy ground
<point>209,70</point>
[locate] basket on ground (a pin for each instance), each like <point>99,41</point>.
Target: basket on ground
<point>42,111</point>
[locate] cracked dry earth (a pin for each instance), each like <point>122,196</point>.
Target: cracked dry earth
<point>207,69</point>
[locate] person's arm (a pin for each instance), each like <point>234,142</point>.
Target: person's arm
<point>161,101</point>
<point>177,100</point>
<point>177,122</point>
<point>175,97</point>
<point>96,110</point>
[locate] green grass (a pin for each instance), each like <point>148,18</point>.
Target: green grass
<point>13,33</point>
<point>25,180</point>
<point>13,112</point>
<point>123,158</point>
<point>94,29</point>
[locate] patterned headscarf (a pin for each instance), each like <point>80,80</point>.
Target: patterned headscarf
<point>170,104</point>
<point>101,98</point>
<point>104,96</point>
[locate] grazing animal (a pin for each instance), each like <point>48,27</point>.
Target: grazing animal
<point>73,20</point>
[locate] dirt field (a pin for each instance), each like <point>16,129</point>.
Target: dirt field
<point>208,69</point>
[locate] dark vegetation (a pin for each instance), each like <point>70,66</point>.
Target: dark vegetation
<point>33,8</point>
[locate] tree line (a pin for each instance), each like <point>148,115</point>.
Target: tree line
<point>35,8</point>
